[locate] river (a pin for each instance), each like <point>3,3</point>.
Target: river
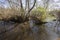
<point>29,31</point>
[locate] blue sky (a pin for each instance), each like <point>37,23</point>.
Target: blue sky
<point>4,3</point>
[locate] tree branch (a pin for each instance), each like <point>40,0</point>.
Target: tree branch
<point>32,6</point>
<point>21,4</point>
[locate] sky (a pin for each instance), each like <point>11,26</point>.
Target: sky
<point>55,4</point>
<point>4,3</point>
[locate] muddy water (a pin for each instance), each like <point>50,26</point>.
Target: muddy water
<point>29,31</point>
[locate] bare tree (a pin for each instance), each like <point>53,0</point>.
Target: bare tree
<point>46,3</point>
<point>21,3</point>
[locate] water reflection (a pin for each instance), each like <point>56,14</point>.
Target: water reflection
<point>51,29</point>
<point>29,31</point>
<point>54,26</point>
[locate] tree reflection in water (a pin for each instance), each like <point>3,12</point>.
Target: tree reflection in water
<point>29,31</point>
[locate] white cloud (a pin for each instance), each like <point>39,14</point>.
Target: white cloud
<point>56,0</point>
<point>39,0</point>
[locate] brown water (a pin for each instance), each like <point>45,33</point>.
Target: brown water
<point>29,31</point>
